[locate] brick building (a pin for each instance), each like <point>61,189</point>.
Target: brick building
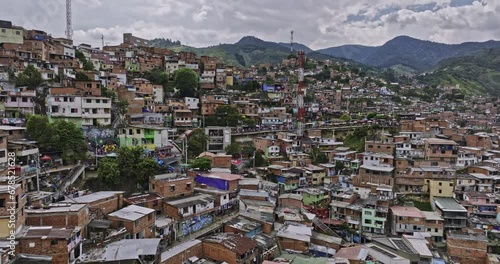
<point>406,220</point>
<point>148,200</point>
<point>231,248</point>
<point>5,203</point>
<point>183,252</point>
<point>63,245</point>
<point>467,248</point>
<point>59,215</point>
<point>139,221</point>
<point>171,185</point>
<point>100,203</point>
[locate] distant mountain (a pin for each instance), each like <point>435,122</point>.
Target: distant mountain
<point>296,46</point>
<point>477,74</point>
<point>248,51</point>
<point>407,52</point>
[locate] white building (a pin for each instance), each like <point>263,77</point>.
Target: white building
<point>218,138</point>
<point>158,95</point>
<point>83,111</point>
<point>192,103</point>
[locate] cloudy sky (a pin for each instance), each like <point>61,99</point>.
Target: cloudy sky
<point>317,23</point>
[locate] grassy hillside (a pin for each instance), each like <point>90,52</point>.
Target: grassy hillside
<point>478,73</point>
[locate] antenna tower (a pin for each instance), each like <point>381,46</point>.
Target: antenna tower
<point>300,96</point>
<point>69,27</point>
<point>291,41</point>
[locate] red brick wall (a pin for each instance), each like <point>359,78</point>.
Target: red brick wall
<point>59,252</point>
<point>108,205</point>
<point>221,162</point>
<point>76,219</point>
<point>162,188</point>
<point>145,223</point>
<point>468,251</point>
<point>293,244</point>
<point>218,252</point>
<point>287,202</point>
<point>194,251</point>
<point>171,211</point>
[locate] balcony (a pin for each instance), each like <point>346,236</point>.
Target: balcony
<point>26,152</point>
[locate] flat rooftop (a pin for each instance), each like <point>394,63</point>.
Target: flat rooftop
<point>132,212</point>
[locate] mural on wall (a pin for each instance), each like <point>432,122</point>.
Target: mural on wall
<point>101,140</point>
<point>196,223</point>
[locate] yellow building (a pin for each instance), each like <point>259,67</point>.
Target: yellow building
<point>440,188</point>
<point>11,34</point>
<point>229,80</point>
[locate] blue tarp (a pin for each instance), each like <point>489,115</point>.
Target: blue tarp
<point>216,183</point>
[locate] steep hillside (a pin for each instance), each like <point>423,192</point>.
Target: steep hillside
<point>418,55</point>
<point>479,73</point>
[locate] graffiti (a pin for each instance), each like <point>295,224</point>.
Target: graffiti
<point>94,133</point>
<point>196,223</point>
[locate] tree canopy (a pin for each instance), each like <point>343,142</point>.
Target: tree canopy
<point>227,115</point>
<point>186,81</point>
<point>197,143</point>
<point>59,136</point>
<point>30,77</point>
<point>130,171</point>
<point>202,164</point>
<point>157,76</point>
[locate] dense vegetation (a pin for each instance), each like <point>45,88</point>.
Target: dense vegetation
<point>478,73</point>
<point>407,54</point>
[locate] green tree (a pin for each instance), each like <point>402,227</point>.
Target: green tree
<point>109,170</point>
<point>186,81</point>
<point>40,130</point>
<point>345,117</point>
<point>81,76</point>
<point>371,115</point>
<point>88,66</point>
<point>227,115</point>
<point>79,55</point>
<point>318,157</point>
<point>70,140</point>
<point>202,164</point>
<point>197,142</point>
<point>30,77</point>
<point>260,161</point>
<point>339,166</point>
<point>130,171</point>
<point>234,149</point>
<point>157,76</point>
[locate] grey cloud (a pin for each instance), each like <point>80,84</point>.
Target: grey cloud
<point>318,23</point>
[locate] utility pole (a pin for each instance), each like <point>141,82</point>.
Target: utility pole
<point>38,172</point>
<point>102,39</point>
<point>95,152</point>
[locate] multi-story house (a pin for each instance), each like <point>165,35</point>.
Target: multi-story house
<point>191,213</point>
<point>373,215</point>
<point>62,244</point>
<point>139,221</point>
<point>10,33</point>
<point>20,102</point>
<point>7,201</point>
<point>434,225</point>
<point>171,185</point>
<point>376,173</point>
<point>218,138</point>
<point>183,118</point>
<point>441,150</point>
<point>406,220</point>
<point>454,214</point>
<point>59,215</point>
<point>3,150</point>
<point>147,136</point>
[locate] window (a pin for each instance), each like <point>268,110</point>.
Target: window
<point>150,216</point>
<point>368,221</point>
<point>440,191</point>
<point>451,184</point>
<point>188,185</point>
<point>440,184</point>
<point>98,101</point>
<point>74,110</point>
<point>2,202</point>
<point>120,224</point>
<point>3,30</point>
<point>172,188</point>
<point>136,223</point>
<point>185,210</point>
<point>89,101</point>
<point>104,101</point>
<point>436,230</point>
<point>429,229</point>
<point>24,99</point>
<point>89,85</point>
<point>71,99</point>
<point>53,242</point>
<point>2,153</point>
<point>13,99</point>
